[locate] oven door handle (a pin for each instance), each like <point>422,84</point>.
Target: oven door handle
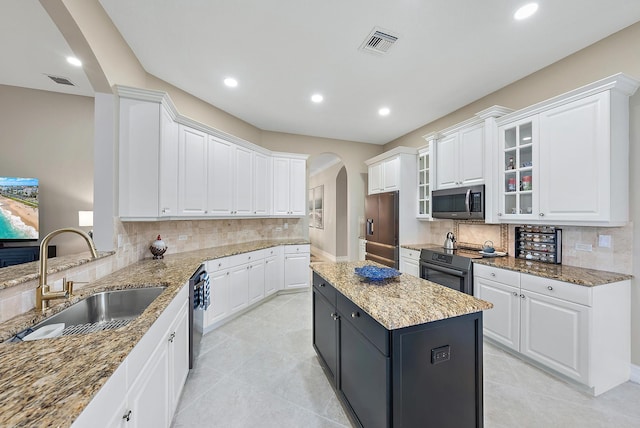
<point>443,269</point>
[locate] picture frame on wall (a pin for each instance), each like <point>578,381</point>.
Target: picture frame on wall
<point>318,201</point>
<point>316,211</point>
<point>310,209</point>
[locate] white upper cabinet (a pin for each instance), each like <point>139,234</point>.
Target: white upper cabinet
<point>171,167</point>
<point>230,186</point>
<point>192,172</point>
<point>460,158</point>
<point>576,160</point>
<point>289,186</point>
<point>148,160</point>
<point>261,184</point>
<point>566,160</point>
<point>425,178</point>
<point>384,176</point>
<point>462,154</point>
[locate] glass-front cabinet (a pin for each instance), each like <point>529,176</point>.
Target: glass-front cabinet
<point>519,172</point>
<point>424,181</point>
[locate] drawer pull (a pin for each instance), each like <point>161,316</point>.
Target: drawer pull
<point>493,274</point>
<point>355,314</point>
<point>219,264</point>
<point>323,285</point>
<point>550,288</point>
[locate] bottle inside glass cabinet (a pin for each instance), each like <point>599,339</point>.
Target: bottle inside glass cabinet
<point>518,169</point>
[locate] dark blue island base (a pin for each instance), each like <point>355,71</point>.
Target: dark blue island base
<point>427,375</point>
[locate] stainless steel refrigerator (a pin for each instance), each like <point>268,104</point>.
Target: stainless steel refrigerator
<point>381,228</point>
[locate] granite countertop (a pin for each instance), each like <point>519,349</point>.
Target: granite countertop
<point>573,274</point>
<point>49,382</point>
<point>402,302</point>
<point>19,274</point>
<point>576,275</point>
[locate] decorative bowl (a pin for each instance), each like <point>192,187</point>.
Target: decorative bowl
<point>374,273</point>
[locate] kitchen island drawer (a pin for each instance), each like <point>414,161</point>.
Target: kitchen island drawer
<point>504,276</point>
<point>370,328</point>
<point>553,288</point>
<point>324,288</point>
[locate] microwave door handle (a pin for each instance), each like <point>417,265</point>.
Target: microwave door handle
<point>467,201</point>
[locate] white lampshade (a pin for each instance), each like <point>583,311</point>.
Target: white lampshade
<point>85,218</point>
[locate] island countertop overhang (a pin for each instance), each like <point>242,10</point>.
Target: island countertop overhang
<point>403,302</point>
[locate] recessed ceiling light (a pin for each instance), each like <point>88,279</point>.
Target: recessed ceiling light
<point>526,11</point>
<point>231,82</point>
<point>384,111</point>
<point>74,61</point>
<point>317,98</point>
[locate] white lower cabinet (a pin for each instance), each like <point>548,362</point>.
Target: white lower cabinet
<point>580,332</point>
<point>273,270</point>
<point>145,389</point>
<point>296,266</point>
<point>241,281</point>
<point>410,262</point>
<point>256,281</point>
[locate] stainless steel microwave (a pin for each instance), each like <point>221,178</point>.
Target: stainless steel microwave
<point>461,203</point>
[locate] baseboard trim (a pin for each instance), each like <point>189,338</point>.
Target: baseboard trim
<point>635,374</point>
<point>323,254</point>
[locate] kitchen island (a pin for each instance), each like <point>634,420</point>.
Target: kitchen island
<point>403,352</point>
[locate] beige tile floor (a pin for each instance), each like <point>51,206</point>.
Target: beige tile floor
<point>260,370</point>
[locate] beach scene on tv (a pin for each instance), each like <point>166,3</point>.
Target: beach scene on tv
<point>18,208</point>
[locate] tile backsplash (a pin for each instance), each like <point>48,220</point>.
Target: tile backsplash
<point>617,258</point>
<point>189,235</point>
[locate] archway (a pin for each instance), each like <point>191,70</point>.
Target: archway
<point>328,220</point>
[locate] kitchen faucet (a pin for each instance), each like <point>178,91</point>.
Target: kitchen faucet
<point>43,295</point>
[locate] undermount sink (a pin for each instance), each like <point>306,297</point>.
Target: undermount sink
<point>102,311</point>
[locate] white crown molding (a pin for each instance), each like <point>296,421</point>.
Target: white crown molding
<point>479,118</point>
<point>391,153</point>
<point>619,82</point>
<point>163,98</point>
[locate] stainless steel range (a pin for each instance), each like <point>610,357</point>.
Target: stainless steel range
<point>451,268</point>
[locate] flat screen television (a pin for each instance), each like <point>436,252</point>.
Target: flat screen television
<point>19,209</point>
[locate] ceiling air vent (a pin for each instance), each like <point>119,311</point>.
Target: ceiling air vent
<point>61,80</point>
<point>379,41</point>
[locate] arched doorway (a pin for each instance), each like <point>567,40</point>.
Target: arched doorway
<point>328,221</point>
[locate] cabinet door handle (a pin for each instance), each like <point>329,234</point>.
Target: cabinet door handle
<point>499,214</point>
<point>515,294</point>
<point>334,315</point>
<point>550,288</point>
<point>171,337</point>
<point>127,416</point>
<point>355,314</point>
<point>541,214</point>
<point>323,285</point>
<point>522,296</point>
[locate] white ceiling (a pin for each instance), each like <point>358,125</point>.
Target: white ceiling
<point>32,47</point>
<point>449,54</point>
